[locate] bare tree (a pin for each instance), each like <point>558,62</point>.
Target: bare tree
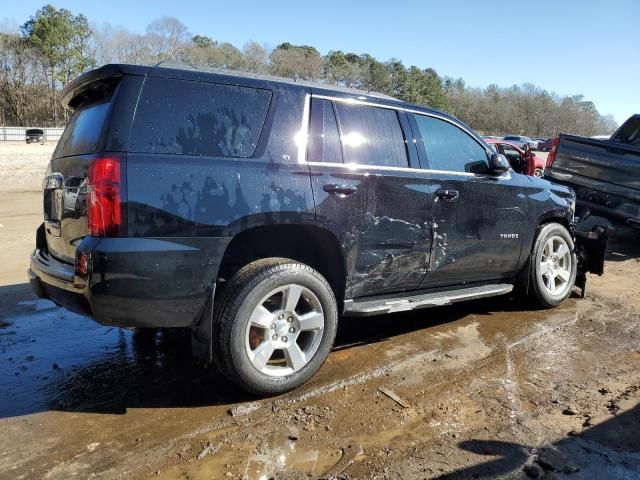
<point>119,45</point>
<point>254,57</point>
<point>23,88</point>
<point>165,36</point>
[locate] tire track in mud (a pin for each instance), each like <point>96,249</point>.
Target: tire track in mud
<point>243,413</point>
<point>467,353</point>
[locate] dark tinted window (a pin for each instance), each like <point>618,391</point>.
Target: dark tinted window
<point>324,139</point>
<point>449,147</point>
<point>371,135</point>
<point>82,133</point>
<point>195,118</point>
<point>511,137</point>
<point>630,132</point>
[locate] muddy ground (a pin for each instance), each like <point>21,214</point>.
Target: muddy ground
<point>486,389</point>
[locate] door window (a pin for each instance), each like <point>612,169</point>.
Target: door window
<point>324,139</point>
<point>371,135</point>
<point>449,147</point>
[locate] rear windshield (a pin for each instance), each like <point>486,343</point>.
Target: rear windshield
<point>630,132</point>
<point>195,118</point>
<point>34,131</point>
<point>83,132</point>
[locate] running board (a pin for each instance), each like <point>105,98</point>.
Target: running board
<point>363,307</point>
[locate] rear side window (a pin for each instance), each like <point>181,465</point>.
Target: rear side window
<point>324,139</point>
<point>371,135</point>
<point>83,131</point>
<point>194,118</point>
<point>450,148</point>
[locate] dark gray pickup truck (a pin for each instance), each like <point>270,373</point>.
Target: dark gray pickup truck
<point>605,174</point>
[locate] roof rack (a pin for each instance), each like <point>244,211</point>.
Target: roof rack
<point>179,65</point>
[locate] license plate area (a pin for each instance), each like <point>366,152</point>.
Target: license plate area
<point>52,203</point>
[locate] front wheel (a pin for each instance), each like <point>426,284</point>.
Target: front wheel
<point>538,172</point>
<point>554,266</point>
<point>274,325</point>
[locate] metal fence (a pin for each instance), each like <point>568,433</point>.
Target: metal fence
<point>17,134</point>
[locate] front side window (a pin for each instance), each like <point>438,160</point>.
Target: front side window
<point>450,148</point>
<point>196,118</point>
<point>324,139</point>
<point>371,135</point>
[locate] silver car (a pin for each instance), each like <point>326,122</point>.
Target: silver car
<point>521,141</point>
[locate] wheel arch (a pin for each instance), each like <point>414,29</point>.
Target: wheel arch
<point>524,277</point>
<point>309,244</point>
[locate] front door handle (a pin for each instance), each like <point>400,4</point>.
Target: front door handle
<point>340,190</point>
<point>445,194</point>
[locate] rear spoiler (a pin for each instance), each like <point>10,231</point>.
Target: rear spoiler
<point>75,91</point>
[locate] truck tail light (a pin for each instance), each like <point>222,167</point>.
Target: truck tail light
<point>552,153</point>
<point>104,196</point>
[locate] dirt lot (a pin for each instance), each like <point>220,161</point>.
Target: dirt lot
<point>486,389</point>
<point>23,166</point>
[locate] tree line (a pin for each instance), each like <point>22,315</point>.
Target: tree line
<point>54,46</point>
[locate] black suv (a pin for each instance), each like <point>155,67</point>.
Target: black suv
<point>35,135</point>
<point>257,211</point>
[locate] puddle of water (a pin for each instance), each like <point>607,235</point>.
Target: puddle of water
<point>467,342</point>
<point>283,454</point>
<point>279,455</point>
<point>53,359</point>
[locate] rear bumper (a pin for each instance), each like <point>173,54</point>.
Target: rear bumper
<point>134,282</point>
<point>59,292</point>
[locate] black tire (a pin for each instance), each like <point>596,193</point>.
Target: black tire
<point>538,292</point>
<point>241,295</point>
<point>538,172</point>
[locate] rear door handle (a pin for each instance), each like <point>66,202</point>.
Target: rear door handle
<point>445,194</point>
<point>340,190</point>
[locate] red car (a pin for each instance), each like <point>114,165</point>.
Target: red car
<point>521,160</point>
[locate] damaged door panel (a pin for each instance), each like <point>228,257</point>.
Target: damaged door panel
<point>380,213</point>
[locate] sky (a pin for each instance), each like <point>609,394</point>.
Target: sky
<point>569,47</point>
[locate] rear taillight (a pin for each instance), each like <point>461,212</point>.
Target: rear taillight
<point>104,196</point>
<point>552,153</point>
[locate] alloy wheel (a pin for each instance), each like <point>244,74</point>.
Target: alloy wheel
<point>555,265</point>
<point>285,330</point>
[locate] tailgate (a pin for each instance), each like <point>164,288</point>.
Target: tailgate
<point>65,183</point>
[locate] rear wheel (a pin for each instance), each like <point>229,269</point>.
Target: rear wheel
<point>537,172</point>
<point>274,325</point>
<point>554,266</point>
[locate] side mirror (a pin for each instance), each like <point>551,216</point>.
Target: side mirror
<point>498,164</point>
